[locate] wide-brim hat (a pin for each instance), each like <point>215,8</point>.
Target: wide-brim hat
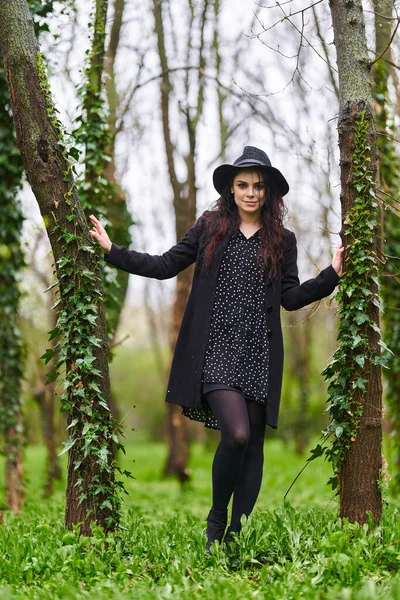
<point>251,157</point>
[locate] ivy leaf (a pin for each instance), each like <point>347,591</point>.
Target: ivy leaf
<point>338,431</point>
<point>359,383</point>
<point>88,249</point>
<point>383,345</point>
<point>53,285</point>
<point>376,301</point>
<point>51,376</point>
<point>53,334</point>
<point>48,355</point>
<point>68,445</point>
<point>333,481</point>
<point>360,360</point>
<point>74,152</point>
<point>316,452</point>
<point>361,318</point>
<point>357,339</point>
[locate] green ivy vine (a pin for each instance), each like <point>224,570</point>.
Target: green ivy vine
<point>92,134</point>
<point>390,278</point>
<point>348,370</point>
<point>93,432</point>
<point>11,262</point>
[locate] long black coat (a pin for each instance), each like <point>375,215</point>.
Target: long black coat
<point>184,386</point>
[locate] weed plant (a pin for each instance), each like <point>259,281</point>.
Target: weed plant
<point>285,551</point>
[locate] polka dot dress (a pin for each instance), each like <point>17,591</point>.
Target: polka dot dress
<point>237,353</point>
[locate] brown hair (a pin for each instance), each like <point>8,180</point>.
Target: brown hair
<point>224,216</point>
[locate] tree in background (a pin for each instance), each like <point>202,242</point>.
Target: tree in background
<point>184,197</point>
<point>356,386</point>
<point>92,490</point>
<point>389,221</point>
<point>118,215</point>
<point>11,263</point>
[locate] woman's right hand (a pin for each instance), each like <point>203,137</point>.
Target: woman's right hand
<point>99,234</point>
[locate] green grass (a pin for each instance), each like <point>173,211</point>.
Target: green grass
<point>286,551</point>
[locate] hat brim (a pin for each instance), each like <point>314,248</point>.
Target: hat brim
<point>224,174</point>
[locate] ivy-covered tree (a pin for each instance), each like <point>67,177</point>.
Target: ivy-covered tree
<point>98,188</point>
<point>118,215</point>
<point>355,402</point>
<point>389,182</point>
<point>93,491</point>
<point>11,263</point>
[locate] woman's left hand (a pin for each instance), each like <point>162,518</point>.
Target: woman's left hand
<point>337,260</point>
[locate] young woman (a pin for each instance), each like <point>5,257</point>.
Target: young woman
<point>228,361</point>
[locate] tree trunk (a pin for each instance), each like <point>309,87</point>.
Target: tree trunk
<point>361,435</point>
<point>11,263</point>
<point>14,470</point>
<point>177,424</point>
<point>44,396</point>
<point>300,356</point>
<point>91,489</point>
<point>390,224</point>
<point>116,207</point>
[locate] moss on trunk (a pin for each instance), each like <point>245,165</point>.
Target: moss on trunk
<point>356,393</point>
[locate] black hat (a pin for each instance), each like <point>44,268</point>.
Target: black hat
<point>251,157</point>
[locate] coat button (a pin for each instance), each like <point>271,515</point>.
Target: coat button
<point>270,308</point>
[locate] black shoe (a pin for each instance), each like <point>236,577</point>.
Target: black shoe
<point>232,547</point>
<point>216,525</point>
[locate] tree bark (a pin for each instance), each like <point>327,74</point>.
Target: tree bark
<point>359,469</point>
<point>91,482</point>
<point>14,469</point>
<point>300,356</point>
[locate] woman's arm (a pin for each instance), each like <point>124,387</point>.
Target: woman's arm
<point>163,266</point>
<point>295,295</point>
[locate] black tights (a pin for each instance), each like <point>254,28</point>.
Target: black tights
<point>238,461</point>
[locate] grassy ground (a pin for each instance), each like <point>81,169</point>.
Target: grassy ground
<point>287,551</point>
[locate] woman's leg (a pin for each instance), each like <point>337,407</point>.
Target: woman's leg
<point>249,481</point>
<point>231,412</point>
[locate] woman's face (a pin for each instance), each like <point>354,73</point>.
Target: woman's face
<point>249,192</point>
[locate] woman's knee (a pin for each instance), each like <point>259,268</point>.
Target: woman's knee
<point>238,439</point>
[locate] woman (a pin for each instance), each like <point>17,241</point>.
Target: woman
<point>228,361</point>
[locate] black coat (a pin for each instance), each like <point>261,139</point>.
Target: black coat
<point>184,386</point>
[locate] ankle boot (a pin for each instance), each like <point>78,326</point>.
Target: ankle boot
<point>216,525</point>
<point>232,547</point>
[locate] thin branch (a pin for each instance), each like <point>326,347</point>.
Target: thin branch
<point>388,44</point>
<point>325,49</point>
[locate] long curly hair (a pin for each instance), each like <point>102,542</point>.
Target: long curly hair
<point>224,216</point>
